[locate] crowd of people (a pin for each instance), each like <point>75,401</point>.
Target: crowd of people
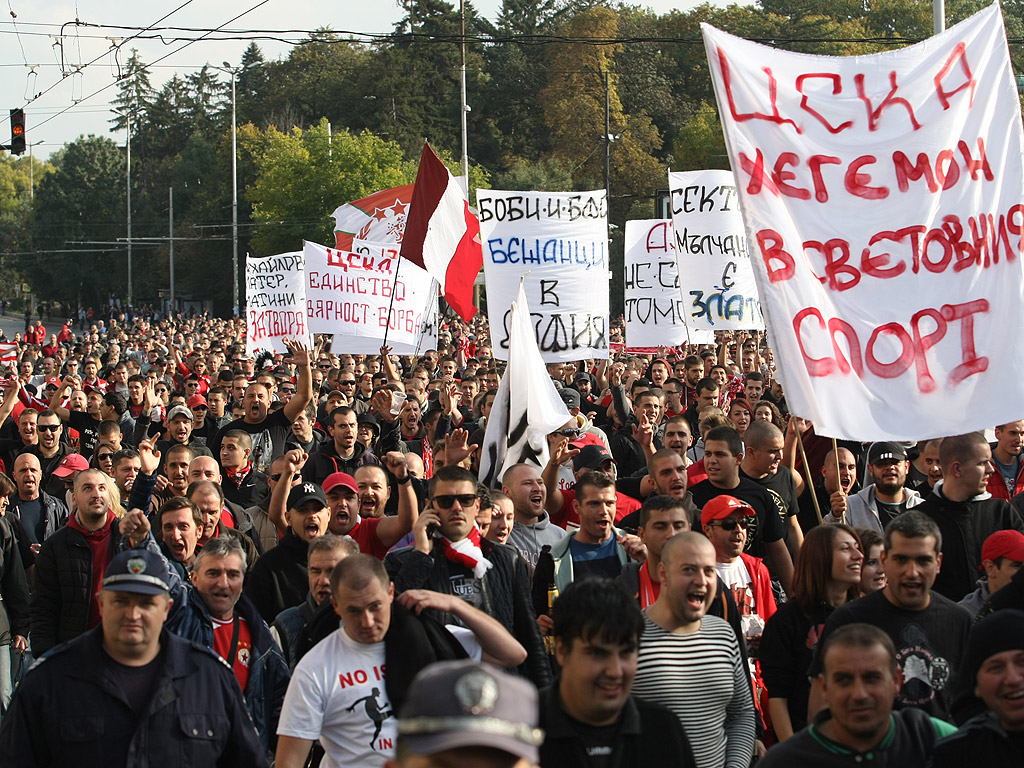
<point>221,558</point>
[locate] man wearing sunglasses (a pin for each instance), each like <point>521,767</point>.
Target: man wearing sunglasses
<point>725,520</point>
<point>449,555</point>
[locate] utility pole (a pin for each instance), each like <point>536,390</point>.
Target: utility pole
<point>234,200</point>
<point>607,134</point>
<point>128,183</point>
<point>170,240</point>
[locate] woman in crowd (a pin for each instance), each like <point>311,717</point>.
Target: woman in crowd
<point>872,575</point>
<point>826,575</point>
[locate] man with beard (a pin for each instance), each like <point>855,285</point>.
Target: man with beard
<point>928,630</point>
<point>691,663</point>
<point>48,449</point>
<point>40,513</point>
<point>880,502</point>
<point>666,476</point>
<point>965,512</point>
<point>372,482</point>
<point>456,559</point>
<point>178,431</point>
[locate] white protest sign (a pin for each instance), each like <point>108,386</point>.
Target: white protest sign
<point>654,308</point>
<point>275,297</point>
<point>349,294</point>
<point>711,247</point>
<point>883,202</point>
<point>561,240</point>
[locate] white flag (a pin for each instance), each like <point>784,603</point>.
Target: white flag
<point>526,407</point>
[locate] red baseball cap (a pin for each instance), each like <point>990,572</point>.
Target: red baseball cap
<point>73,462</point>
<point>340,478</point>
<point>722,507</point>
<point>1007,543</point>
<point>197,401</point>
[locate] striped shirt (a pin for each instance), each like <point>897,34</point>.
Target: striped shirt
<point>700,677</point>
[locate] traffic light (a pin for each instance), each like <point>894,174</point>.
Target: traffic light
<point>17,131</point>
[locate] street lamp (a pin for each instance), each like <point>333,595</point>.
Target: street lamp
<point>234,188</point>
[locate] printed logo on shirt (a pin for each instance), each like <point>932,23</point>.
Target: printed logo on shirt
<point>924,673</point>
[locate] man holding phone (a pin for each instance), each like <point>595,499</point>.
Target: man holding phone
<point>449,555</point>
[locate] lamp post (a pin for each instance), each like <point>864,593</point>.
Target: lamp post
<point>233,71</point>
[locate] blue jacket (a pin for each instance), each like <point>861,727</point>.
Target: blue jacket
<point>268,670</point>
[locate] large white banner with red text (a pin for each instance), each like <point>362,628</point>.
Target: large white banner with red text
<point>364,294</point>
<point>883,202</point>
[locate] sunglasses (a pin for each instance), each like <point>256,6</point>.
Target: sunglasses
<point>446,500</point>
<point>48,427</point>
<point>570,433</point>
<point>161,391</point>
<point>275,477</point>
<point>324,366</point>
<point>288,391</point>
<point>104,457</point>
<point>730,525</point>
<point>348,383</point>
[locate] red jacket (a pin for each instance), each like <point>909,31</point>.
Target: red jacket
<point>997,486</point>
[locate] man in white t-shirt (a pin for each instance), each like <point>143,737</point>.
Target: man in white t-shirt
<point>338,692</point>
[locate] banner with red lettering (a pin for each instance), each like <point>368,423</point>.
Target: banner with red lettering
<point>711,248</point>
<point>655,310</point>
<point>275,297</point>
<point>349,294</point>
<point>883,202</point>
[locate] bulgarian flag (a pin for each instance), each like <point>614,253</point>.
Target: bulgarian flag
<point>442,235</point>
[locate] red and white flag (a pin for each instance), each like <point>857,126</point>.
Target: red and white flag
<point>442,235</point>
<point>8,353</point>
<point>379,218</point>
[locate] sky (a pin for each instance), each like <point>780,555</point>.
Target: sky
<point>42,50</point>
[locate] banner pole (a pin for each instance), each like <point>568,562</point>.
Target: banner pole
<point>807,475</point>
<point>391,301</point>
<point>839,480</point>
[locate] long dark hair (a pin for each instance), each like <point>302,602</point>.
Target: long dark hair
<point>813,567</point>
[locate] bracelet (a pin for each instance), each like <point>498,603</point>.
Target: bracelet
<point>403,480</point>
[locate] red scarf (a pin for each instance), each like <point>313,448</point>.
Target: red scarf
<point>467,552</point>
<point>649,589</point>
<point>428,459</point>
<point>99,546</point>
<point>236,476</point>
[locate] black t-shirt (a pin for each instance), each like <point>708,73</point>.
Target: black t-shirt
<point>781,489</point>
<point>136,683</point>
<point>887,512</point>
<point>268,438</point>
<point>929,646</point>
<point>88,431</point>
<point>765,528</point>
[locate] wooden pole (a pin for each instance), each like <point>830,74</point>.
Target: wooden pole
<point>807,475</point>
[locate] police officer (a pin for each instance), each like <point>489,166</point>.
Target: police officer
<point>128,692</point>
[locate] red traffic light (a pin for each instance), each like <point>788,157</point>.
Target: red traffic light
<point>17,132</point>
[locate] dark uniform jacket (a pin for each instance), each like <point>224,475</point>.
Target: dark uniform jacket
<point>70,711</point>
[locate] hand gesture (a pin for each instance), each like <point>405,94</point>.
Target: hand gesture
<point>424,520</point>
<point>562,452</point>
<point>11,387</point>
<point>298,351</point>
<point>149,457</point>
<point>456,448</point>
<point>396,463</point>
<point>135,526</point>
<point>643,432</point>
<point>295,460</point>
<point>635,549</point>
<point>381,404</point>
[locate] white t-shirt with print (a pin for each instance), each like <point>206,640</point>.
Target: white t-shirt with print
<point>337,695</point>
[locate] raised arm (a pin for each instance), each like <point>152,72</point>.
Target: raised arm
<point>390,530</point>
<point>304,386</point>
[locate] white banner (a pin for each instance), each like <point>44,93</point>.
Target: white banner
<point>559,240</point>
<point>882,198</point>
<point>654,308</point>
<point>349,293</point>
<point>711,248</point>
<point>275,296</point>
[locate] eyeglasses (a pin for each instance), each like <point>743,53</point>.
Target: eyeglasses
<point>47,427</point>
<point>446,500</point>
<point>730,525</point>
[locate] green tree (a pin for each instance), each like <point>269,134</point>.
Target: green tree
<point>82,201</point>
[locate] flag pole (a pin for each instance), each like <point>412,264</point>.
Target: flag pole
<point>807,474</point>
<point>391,301</point>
